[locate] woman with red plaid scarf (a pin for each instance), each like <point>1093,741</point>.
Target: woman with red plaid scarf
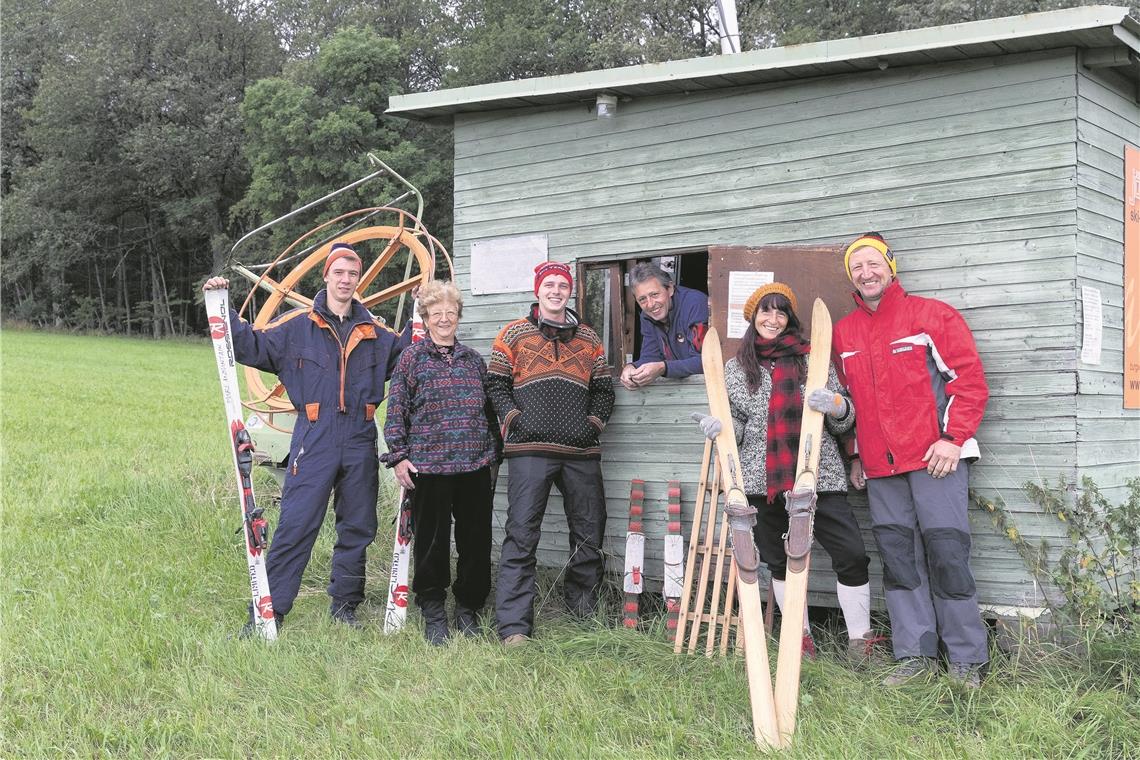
<point>765,383</point>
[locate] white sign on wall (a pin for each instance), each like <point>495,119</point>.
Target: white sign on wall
<point>506,265</point>
<point>1093,325</point>
<point>740,286</point>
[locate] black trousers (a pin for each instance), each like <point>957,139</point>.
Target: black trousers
<point>584,500</point>
<point>835,529</point>
<point>436,500</point>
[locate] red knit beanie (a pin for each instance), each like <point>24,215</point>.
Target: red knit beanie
<point>551,269</point>
<point>340,251</point>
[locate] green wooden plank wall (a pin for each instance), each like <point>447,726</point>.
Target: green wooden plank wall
<point>1108,117</point>
<point>970,168</point>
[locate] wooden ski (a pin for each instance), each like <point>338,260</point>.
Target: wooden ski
<point>674,561</point>
<point>742,518</point>
<point>800,502</point>
<point>633,582</point>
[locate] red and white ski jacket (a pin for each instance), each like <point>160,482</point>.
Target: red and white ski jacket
<point>914,375</point>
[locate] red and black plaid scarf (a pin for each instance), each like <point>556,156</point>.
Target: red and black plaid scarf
<point>785,408</point>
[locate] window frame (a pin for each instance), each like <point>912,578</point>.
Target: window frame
<point>622,336</point>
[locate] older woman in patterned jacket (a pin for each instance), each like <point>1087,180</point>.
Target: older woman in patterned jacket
<point>443,439</point>
<point>765,383</point>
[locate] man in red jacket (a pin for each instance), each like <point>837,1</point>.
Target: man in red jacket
<point>917,381</point>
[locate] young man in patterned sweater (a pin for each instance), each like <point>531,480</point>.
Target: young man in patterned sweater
<point>552,392</point>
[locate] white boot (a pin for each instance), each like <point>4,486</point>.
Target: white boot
<point>855,601</point>
<point>808,643</point>
<point>778,592</point>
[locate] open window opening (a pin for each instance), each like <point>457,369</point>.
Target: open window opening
<point>606,301</point>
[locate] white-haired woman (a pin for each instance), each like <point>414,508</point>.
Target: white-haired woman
<point>442,441</point>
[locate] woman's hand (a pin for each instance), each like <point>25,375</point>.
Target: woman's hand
<point>403,472</point>
<point>710,425</point>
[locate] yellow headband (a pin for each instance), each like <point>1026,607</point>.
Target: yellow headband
<point>868,241</point>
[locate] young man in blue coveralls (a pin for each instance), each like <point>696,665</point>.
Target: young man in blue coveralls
<point>674,320</point>
<point>334,359</point>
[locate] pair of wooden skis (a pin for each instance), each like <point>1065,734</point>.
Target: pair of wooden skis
<point>773,711</point>
<point>633,582</point>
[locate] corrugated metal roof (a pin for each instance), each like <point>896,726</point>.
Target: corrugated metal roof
<point>1099,27</point>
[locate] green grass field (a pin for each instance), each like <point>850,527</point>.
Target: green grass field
<point>122,585</point>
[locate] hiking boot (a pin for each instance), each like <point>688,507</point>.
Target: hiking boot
<point>344,614</point>
<point>515,640</point>
<point>435,622</point>
<point>466,621</point>
<point>910,668</point>
<point>965,674</point>
<point>864,651</point>
<point>808,647</point>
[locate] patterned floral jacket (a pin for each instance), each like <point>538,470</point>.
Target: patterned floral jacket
<point>438,414</point>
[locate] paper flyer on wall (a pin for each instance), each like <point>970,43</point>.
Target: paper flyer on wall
<point>740,286</point>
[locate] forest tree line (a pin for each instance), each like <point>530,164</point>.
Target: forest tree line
<point>141,139</point>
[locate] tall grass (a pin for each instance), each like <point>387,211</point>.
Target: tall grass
<point>122,584</point>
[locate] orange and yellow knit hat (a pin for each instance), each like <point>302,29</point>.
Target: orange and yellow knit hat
<point>753,302</point>
<point>869,240</point>
<point>340,251</point>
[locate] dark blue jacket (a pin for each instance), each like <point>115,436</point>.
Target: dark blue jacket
<point>683,332</point>
<point>323,373</point>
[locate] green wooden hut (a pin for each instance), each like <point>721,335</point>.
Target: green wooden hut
<point>990,154</point>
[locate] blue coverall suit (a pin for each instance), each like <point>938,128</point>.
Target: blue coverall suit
<point>334,371</point>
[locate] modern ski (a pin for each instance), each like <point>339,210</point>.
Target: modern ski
<point>255,528</point>
<point>396,611</point>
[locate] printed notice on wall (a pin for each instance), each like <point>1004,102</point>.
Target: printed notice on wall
<point>506,265</point>
<point>1131,277</point>
<point>1094,325</point>
<point>740,286</point>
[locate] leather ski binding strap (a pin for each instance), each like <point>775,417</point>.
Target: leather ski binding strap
<point>741,520</point>
<point>801,516</point>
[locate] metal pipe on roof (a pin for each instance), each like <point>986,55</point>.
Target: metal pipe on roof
<point>727,27</point>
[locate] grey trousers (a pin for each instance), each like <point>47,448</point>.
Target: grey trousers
<point>583,497</point>
<point>920,527</point>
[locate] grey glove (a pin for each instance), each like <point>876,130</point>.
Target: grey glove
<point>710,425</point>
<point>828,402</point>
